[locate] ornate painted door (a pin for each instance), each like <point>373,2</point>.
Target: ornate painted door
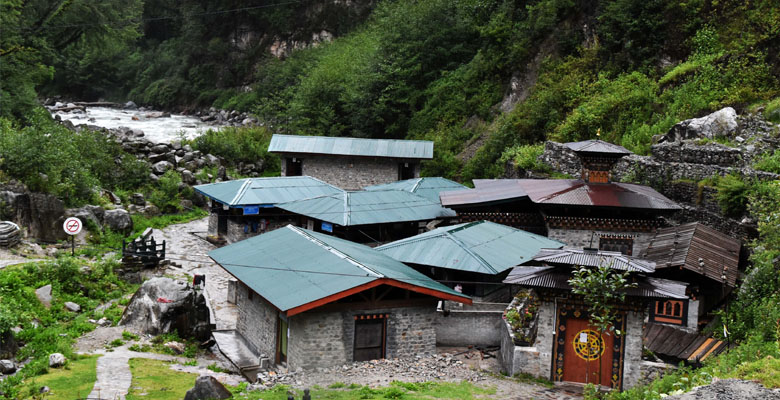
<point>581,354</point>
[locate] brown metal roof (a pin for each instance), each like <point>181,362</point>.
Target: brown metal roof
<point>594,258</point>
<point>485,191</point>
<point>576,192</point>
<point>598,146</point>
<point>675,342</point>
<point>558,278</point>
<point>698,248</point>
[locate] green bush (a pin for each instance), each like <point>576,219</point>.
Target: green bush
<point>769,162</point>
<point>235,145</point>
<point>526,157</point>
<point>166,194</point>
<point>733,195</point>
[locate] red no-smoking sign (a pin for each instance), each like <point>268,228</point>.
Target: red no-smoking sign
<point>72,226</point>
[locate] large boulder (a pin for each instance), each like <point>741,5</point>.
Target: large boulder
<point>40,215</point>
<point>718,124</point>
<point>118,220</point>
<point>163,305</point>
<point>161,167</point>
<point>84,214</point>
<point>7,367</point>
<point>56,360</point>
<point>207,388</point>
<point>8,345</point>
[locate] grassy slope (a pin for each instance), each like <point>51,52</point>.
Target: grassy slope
<point>73,381</point>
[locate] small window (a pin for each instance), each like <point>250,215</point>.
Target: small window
<point>293,167</point>
<point>670,312</point>
<point>622,244</point>
<point>405,171</point>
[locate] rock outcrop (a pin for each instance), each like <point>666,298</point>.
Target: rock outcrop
<point>721,123</point>
<point>207,388</point>
<point>729,389</point>
<point>118,220</point>
<point>163,305</point>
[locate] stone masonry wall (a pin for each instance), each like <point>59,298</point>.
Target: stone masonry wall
<point>256,322</point>
<point>469,326</point>
<point>632,359</point>
<point>327,339</point>
<point>577,238</point>
<point>535,360</point>
<point>352,173</point>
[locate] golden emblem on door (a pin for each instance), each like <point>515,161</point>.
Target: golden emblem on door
<point>588,345</point>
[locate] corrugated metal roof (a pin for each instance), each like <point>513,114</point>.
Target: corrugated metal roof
<point>255,191</point>
<point>485,191</point>
<point>595,258</point>
<point>482,246</point>
<point>291,267</point>
<point>577,192</point>
<point>597,146</point>
<point>425,187</point>
<point>685,245</point>
<point>347,146</point>
<point>368,207</point>
<point>556,278</point>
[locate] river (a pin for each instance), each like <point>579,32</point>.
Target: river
<point>158,130</point>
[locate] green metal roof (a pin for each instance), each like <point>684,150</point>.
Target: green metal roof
<point>291,267</point>
<point>348,146</point>
<point>482,246</point>
<point>271,191</point>
<point>368,207</point>
<point>425,187</point>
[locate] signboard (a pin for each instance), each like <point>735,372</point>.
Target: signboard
<point>72,226</point>
<point>327,227</point>
<point>251,210</point>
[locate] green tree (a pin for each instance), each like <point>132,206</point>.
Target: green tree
<point>601,289</point>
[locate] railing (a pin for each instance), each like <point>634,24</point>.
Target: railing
<point>143,250</point>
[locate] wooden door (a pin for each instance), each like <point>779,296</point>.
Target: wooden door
<point>369,339</point>
<point>585,352</point>
<point>281,341</point>
<point>579,351</point>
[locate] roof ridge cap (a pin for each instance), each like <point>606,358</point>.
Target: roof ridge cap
<point>241,190</point>
<point>471,253</point>
<point>335,251</point>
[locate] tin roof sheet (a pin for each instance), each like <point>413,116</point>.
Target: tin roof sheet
<point>485,191</point>
<point>347,146</point>
<point>597,146</point>
<point>482,246</point>
<point>557,278</point>
<point>595,258</point>
<point>368,207</point>
<point>257,191</point>
<point>676,342</point>
<point>697,248</point>
<point>577,192</point>
<point>426,187</point>
<point>291,267</point>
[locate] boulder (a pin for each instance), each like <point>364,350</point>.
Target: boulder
<point>162,305</point>
<point>161,167</point>
<point>8,345</point>
<point>40,214</point>
<point>212,160</point>
<point>118,220</point>
<point>10,234</point>
<point>56,360</point>
<point>43,294</point>
<point>72,307</point>
<point>84,214</point>
<point>718,124</point>
<point>7,367</point>
<point>160,148</point>
<point>177,347</point>
<point>138,199</point>
<point>130,105</point>
<point>206,388</point>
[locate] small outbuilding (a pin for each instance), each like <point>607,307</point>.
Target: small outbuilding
<point>426,187</point>
<point>351,163</point>
<point>312,300</point>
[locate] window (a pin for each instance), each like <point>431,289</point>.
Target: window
<point>293,167</point>
<point>620,243</point>
<point>405,171</point>
<point>670,312</point>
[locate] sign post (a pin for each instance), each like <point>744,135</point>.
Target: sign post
<point>72,226</point>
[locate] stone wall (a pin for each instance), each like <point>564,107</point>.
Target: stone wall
<point>578,238</point>
<point>479,324</point>
<point>632,358</point>
<point>352,173</point>
<point>236,227</point>
<point>257,322</point>
<point>327,339</point>
<point>535,360</point>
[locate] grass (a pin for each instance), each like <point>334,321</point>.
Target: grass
<point>396,390</point>
<point>74,381</point>
<point>157,378</point>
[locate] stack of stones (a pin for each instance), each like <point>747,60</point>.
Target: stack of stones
<point>10,234</point>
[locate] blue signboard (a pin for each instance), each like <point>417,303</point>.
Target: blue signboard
<point>251,210</point>
<point>327,227</point>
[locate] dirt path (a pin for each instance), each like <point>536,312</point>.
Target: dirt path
<point>185,245</point>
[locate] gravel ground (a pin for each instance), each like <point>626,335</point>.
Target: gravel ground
<point>729,389</point>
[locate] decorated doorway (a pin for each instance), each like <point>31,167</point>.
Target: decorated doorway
<point>581,355</point>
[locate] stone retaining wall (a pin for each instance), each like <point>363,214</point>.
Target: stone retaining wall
<point>466,325</point>
<point>535,360</point>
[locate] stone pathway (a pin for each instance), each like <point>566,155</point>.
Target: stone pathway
<point>114,376</point>
<point>191,252</point>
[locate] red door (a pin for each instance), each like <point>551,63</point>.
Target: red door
<point>585,351</point>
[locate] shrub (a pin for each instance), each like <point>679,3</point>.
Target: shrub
<point>732,195</point>
<point>235,145</point>
<point>526,157</point>
<point>769,162</point>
